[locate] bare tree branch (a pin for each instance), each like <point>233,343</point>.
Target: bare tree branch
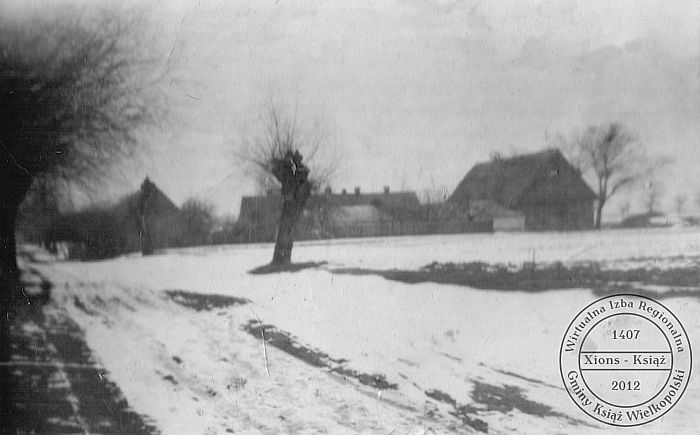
<point>615,158</point>
<point>76,86</point>
<point>278,133</point>
<point>282,152</point>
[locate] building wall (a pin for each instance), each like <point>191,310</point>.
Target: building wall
<point>559,216</point>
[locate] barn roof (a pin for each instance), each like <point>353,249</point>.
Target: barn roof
<point>124,211</point>
<point>159,202</point>
<point>509,181</point>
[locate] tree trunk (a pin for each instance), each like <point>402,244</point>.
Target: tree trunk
<point>15,184</point>
<point>291,210</point>
<point>8,255</point>
<point>599,214</point>
<point>293,176</point>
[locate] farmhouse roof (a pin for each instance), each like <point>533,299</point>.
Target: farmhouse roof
<point>158,203</point>
<point>512,181</point>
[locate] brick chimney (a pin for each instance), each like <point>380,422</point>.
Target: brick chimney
<point>328,190</point>
<point>344,191</point>
<point>357,190</point>
<point>386,189</point>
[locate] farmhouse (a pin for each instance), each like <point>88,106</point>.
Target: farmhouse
<point>543,187</point>
<point>333,215</point>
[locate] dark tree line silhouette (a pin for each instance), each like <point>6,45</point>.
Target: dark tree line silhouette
<point>73,93</point>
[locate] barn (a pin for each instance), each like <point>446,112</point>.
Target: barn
<point>544,187</point>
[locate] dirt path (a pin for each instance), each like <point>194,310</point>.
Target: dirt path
<point>50,383</point>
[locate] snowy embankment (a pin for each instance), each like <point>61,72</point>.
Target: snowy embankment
<point>459,357</point>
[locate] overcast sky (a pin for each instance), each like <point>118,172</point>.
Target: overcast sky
<point>414,92</point>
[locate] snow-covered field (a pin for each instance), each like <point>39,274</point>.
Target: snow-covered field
<point>198,372</point>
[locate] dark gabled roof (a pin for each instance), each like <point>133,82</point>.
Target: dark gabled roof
<point>527,177</point>
<point>159,203</point>
<point>257,207</point>
<point>120,216</point>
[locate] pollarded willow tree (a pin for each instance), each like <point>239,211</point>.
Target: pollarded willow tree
<point>294,159</point>
<point>75,87</point>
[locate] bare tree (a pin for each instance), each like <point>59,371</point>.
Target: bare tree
<point>615,159</point>
<point>73,92</point>
<point>572,149</point>
<point>39,211</point>
<point>287,155</point>
<point>197,222</point>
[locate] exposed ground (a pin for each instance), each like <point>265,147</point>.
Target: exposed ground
<point>682,281</point>
<point>51,383</point>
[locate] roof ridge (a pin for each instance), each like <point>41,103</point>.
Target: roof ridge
<point>506,180</point>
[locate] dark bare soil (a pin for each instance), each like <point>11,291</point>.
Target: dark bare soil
<point>204,301</point>
<point>293,267</point>
<point>49,382</point>
<point>278,338</point>
<point>466,413</point>
<point>545,277</point>
<point>287,343</point>
<point>487,397</point>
